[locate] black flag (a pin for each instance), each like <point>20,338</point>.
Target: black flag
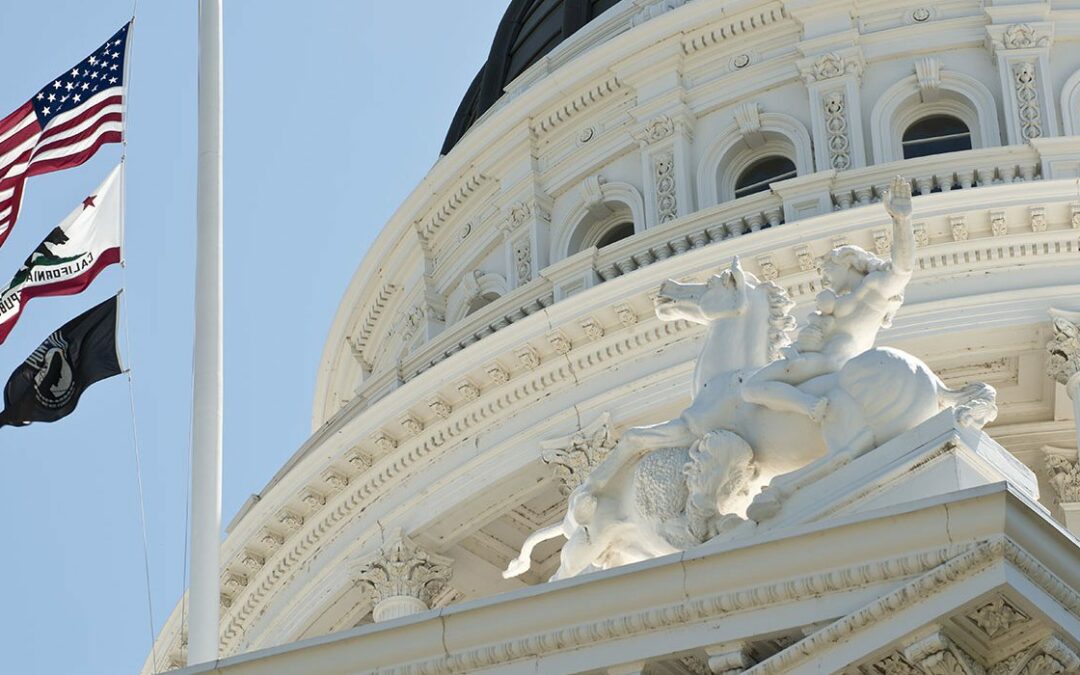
<point>47,386</point>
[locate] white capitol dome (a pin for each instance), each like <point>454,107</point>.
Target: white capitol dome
<point>500,337</point>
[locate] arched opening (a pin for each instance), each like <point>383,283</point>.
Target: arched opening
<point>616,232</point>
<point>757,177</point>
<point>935,135</point>
<point>602,225</point>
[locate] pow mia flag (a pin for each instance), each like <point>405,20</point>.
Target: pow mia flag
<point>47,386</point>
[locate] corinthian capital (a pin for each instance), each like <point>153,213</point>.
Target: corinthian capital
<point>1064,347</point>
<point>403,570</point>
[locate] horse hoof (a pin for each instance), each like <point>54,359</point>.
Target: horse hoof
<point>765,506</point>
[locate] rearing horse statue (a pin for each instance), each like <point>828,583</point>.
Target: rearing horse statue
<point>669,486</point>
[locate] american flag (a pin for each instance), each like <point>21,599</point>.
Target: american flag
<point>64,124</point>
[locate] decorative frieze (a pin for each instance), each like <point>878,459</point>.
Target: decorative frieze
<point>402,578</point>
<point>358,459</point>
<point>922,237</point>
<point>290,520</point>
<point>882,242</point>
<point>335,480</point>
<point>627,316</point>
<point>575,456</point>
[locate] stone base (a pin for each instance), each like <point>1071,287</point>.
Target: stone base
<point>936,458</point>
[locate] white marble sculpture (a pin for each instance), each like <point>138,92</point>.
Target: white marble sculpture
<point>764,410</point>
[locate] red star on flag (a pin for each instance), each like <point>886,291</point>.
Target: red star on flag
<point>88,202</point>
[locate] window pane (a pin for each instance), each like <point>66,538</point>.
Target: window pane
<point>935,135</point>
<point>757,176</point>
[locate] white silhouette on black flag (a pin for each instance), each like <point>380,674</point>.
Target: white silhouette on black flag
<point>47,386</point>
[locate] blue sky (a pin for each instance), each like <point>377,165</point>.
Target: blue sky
<point>334,111</point>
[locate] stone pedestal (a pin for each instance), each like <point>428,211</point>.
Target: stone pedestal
<point>937,457</point>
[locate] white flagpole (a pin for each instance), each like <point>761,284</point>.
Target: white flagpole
<point>207,404</point>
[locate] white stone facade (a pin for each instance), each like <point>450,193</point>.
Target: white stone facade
<point>487,353</point>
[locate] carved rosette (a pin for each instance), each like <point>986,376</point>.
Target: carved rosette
<point>997,617</point>
<point>401,571</point>
<point>576,455</point>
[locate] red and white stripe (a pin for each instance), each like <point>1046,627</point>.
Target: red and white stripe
<point>69,139</point>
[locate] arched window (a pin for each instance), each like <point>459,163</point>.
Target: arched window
<point>615,233</point>
<point>934,135</point>
<point>758,176</point>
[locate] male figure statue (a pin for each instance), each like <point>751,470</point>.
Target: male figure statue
<point>862,293</point>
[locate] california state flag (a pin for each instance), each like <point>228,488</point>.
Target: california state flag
<point>75,252</point>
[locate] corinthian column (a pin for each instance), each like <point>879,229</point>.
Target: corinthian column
<point>1064,366</point>
<point>403,579</point>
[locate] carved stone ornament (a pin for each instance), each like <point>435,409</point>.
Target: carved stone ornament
<point>882,243</point>
<point>667,205</point>
<point>560,343</point>
<point>1038,218</point>
<point>1064,476</point>
<point>936,654</point>
<point>627,316</point>
<point>894,665</point>
<point>836,129</point>
<point>440,407</point>
<point>1027,100</point>
<point>806,258</point>
<point>997,617</point>
<point>922,237</point>
<point>672,485</point>
<point>523,260</point>
<point>1049,657</point>
<point>656,129</point>
<point>828,66</point>
<point>403,569</point>
<point>958,226</point>
<point>335,480</point>
<point>769,272</point>
<point>411,424</point>
<point>1074,216</point>
<point>574,456</point>
<point>521,212</point>
<point>998,224</point>
<point>1024,36</point>
<point>593,330</point>
<point>528,356</point>
<point>384,442</point>
<point>1064,350</point>
<point>498,374</point>
<point>928,75</point>
<point>468,390</point>
<point>654,8</point>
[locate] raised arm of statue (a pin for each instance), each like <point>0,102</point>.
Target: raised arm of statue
<point>897,202</point>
